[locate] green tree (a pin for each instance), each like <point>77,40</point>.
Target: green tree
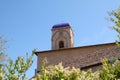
<point>13,70</point>
<point>16,70</point>
<point>115,18</point>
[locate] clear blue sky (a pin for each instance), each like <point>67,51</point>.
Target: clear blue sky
<point>27,23</point>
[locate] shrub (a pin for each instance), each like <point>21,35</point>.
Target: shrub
<point>58,72</point>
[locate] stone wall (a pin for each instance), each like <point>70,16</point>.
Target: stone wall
<point>79,56</point>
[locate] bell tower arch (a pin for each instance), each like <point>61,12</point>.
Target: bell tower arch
<point>62,36</point>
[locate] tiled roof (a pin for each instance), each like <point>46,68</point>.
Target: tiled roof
<point>61,25</point>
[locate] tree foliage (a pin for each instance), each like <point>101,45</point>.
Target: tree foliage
<point>16,70</point>
<point>115,18</point>
<point>3,56</point>
<point>13,70</point>
<point>58,72</point>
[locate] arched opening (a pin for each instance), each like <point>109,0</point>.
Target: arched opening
<point>61,44</point>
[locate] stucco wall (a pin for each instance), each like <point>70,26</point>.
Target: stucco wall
<point>78,57</point>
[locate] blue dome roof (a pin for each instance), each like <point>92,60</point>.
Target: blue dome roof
<point>61,25</point>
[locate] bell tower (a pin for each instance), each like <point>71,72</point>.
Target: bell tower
<point>62,36</point>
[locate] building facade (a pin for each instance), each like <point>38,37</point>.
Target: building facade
<point>63,50</point>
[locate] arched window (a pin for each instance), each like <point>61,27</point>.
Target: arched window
<point>61,44</point>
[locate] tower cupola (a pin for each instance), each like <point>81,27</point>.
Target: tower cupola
<point>62,36</point>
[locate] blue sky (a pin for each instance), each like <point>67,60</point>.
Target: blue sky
<point>27,23</point>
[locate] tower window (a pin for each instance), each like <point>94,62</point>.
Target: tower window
<point>61,44</point>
